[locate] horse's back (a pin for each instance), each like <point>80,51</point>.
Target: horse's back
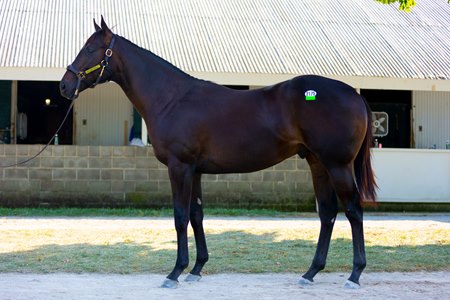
<point>223,131</point>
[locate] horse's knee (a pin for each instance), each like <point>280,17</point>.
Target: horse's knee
<point>181,224</point>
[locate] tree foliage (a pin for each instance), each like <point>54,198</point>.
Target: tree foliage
<point>405,5</point>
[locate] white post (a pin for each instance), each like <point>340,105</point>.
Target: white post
<point>144,133</point>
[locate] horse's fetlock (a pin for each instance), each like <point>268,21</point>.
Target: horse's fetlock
<point>360,265</point>
<point>203,259</point>
<point>319,266</point>
<point>183,264</point>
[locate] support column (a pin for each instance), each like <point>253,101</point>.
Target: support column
<point>13,135</point>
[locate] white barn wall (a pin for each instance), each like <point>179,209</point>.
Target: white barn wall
<point>412,175</point>
<point>108,114</point>
<point>431,111</point>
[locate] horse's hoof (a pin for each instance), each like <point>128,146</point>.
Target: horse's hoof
<point>170,284</point>
<point>351,285</point>
<point>192,278</point>
<point>305,282</point>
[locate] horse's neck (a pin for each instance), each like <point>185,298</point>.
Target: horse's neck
<point>151,83</point>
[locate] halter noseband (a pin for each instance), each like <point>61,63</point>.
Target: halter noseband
<point>81,75</point>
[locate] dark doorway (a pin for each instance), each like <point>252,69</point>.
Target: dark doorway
<point>397,104</point>
<point>41,110</point>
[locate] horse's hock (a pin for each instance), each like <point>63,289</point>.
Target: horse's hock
<point>116,176</point>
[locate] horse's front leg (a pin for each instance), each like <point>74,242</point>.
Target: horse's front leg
<point>196,218</point>
<point>181,177</point>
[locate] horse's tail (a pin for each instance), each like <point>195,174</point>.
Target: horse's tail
<point>365,178</point>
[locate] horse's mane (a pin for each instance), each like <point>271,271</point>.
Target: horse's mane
<point>154,56</point>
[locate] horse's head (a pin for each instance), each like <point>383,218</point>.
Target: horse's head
<point>91,66</point>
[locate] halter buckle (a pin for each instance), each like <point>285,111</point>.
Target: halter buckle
<point>108,52</point>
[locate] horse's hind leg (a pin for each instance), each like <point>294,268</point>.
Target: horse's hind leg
<point>327,206</point>
<point>196,218</point>
<point>345,186</point>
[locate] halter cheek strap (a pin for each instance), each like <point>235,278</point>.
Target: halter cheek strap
<point>81,75</point>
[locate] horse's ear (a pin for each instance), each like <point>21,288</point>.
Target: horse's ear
<point>105,27</point>
<point>97,28</point>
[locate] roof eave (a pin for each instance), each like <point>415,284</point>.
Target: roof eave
<point>251,79</point>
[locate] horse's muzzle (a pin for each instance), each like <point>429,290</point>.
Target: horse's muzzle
<point>66,89</point>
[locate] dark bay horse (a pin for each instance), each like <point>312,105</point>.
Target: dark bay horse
<point>198,127</point>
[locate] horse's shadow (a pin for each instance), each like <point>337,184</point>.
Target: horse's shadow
<point>230,252</point>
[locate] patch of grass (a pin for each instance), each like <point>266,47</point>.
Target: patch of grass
<point>152,248</point>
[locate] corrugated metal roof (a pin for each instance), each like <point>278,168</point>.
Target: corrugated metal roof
<point>334,38</point>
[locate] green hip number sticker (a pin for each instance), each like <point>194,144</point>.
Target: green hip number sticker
<point>310,95</point>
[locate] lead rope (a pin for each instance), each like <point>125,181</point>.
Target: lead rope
<point>48,144</point>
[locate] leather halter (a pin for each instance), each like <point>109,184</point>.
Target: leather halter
<point>81,75</point>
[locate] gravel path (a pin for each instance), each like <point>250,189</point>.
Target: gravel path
<point>224,286</point>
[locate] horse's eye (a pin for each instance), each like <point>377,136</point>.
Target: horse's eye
<point>90,49</point>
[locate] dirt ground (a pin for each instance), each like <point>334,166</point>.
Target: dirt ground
<point>224,286</point>
<point>423,285</point>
